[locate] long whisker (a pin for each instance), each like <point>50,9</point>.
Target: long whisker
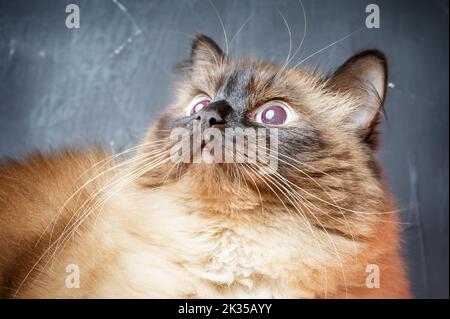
<point>65,234</point>
<point>314,206</point>
<point>322,200</point>
<point>304,219</point>
<point>326,47</point>
<point>290,41</point>
<point>221,25</point>
<point>102,201</point>
<point>240,29</point>
<point>69,233</point>
<point>304,33</point>
<point>111,184</point>
<point>299,210</point>
<point>257,189</point>
<point>328,236</point>
<point>125,163</point>
<point>70,228</point>
<point>96,166</point>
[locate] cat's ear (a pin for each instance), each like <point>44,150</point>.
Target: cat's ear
<point>205,51</point>
<point>364,77</point>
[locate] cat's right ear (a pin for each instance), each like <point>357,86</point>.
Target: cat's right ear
<point>205,52</point>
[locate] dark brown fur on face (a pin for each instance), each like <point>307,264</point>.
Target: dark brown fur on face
<point>308,230</point>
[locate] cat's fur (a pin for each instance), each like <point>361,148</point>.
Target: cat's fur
<point>201,230</point>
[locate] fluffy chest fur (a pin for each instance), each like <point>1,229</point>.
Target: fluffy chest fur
<point>167,247</point>
<point>156,243</point>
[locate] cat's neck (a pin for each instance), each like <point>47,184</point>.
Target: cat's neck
<point>167,232</point>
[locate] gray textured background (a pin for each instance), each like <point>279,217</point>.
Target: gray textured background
<point>90,85</point>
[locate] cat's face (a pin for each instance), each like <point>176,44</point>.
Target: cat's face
<point>324,126</point>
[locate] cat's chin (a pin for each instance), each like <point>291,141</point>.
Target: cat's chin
<point>217,187</point>
<point>222,177</point>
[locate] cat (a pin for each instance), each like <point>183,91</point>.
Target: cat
<point>321,224</point>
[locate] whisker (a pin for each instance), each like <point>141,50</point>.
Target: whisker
<point>314,206</point>
<point>290,41</point>
<point>221,24</point>
<point>304,33</point>
<point>240,29</point>
<point>308,225</point>
<point>67,232</point>
<point>318,184</point>
<point>125,163</point>
<point>105,162</point>
<point>337,254</point>
<point>326,47</point>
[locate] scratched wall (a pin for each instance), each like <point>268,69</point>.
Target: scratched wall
<point>107,81</point>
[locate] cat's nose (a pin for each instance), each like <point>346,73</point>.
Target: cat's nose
<point>210,118</point>
<point>215,113</point>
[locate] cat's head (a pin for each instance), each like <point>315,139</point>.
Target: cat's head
<point>325,127</point>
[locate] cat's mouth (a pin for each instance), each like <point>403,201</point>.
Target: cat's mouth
<point>219,146</point>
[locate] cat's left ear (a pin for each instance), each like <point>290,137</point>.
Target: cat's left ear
<point>364,76</point>
<point>205,53</point>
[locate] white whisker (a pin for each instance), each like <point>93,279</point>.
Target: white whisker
<point>326,47</point>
